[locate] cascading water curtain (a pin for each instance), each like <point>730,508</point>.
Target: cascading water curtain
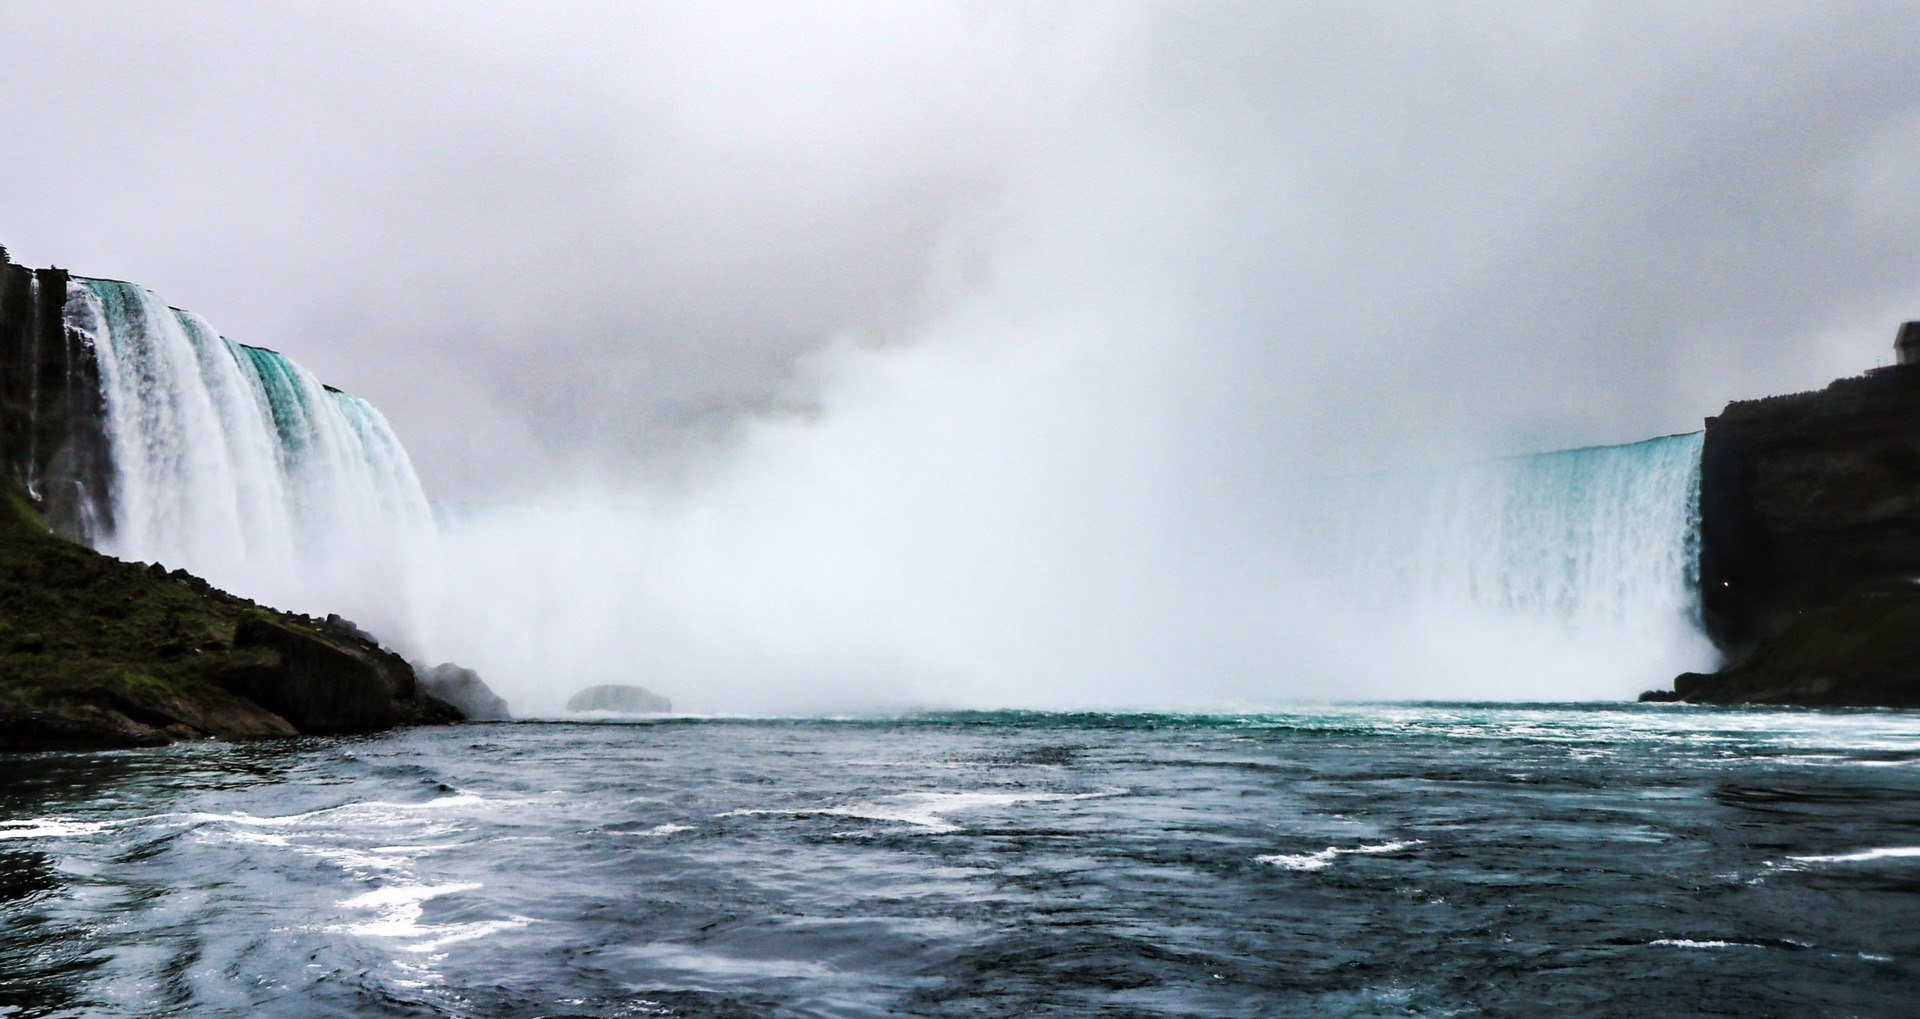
<point>1559,561</point>
<point>238,465</point>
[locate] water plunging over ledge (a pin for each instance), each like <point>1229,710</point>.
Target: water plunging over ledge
<point>236,464</point>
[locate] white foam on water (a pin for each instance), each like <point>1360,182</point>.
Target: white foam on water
<point>713,964</point>
<point>259,838</point>
<point>1863,856</point>
<point>1690,943</point>
<point>318,833</point>
<point>47,828</point>
<point>1325,857</point>
<point>249,820</point>
<point>399,908</point>
<point>382,812</point>
<point>357,863</point>
<point>659,830</point>
<point>408,851</point>
<point>928,810</point>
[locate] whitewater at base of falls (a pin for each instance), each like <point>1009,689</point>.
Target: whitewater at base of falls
<point>856,563</point>
<point>1561,576</point>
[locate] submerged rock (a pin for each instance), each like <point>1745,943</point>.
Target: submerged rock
<point>464,689</point>
<point>632,700</point>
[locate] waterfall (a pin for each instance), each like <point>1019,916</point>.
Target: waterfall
<point>1605,533</point>
<point>236,464</point>
<point>1557,576</point>
<point>1583,556</point>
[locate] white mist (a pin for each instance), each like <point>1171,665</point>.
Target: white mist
<point>1038,503</point>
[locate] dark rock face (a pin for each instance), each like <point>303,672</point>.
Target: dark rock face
<point>631,700</point>
<point>1863,651</point>
<point>1805,499</point>
<point>1809,542</point>
<point>99,716</point>
<point>463,689</point>
<point>53,440</point>
<point>316,680</point>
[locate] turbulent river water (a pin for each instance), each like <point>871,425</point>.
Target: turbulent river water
<point>1347,861</point>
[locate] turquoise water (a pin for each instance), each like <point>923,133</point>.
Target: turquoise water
<point>1355,861</point>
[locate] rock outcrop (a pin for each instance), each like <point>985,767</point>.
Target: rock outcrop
<point>317,679</point>
<point>464,689</point>
<point>631,700</point>
<point>1809,543</point>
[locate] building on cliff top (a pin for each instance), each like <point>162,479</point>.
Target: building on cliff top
<point>1906,346</point>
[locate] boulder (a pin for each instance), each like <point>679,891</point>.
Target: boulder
<point>463,689</point>
<point>631,700</point>
<point>318,683</point>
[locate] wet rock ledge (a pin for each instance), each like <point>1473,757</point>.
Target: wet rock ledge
<point>98,653</point>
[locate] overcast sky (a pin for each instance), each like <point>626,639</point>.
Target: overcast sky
<point>553,240</point>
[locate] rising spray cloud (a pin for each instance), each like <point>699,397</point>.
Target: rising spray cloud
<point>1009,512</point>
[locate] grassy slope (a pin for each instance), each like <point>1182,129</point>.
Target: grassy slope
<point>99,652</point>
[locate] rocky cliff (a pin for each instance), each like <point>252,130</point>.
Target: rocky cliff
<point>1809,546</point>
<point>1806,498</point>
<point>1861,651</point>
<point>53,439</point>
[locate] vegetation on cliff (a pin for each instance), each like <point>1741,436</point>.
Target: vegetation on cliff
<point>96,652</point>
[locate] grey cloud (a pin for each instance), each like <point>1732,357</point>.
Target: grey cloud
<point>558,238</point>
